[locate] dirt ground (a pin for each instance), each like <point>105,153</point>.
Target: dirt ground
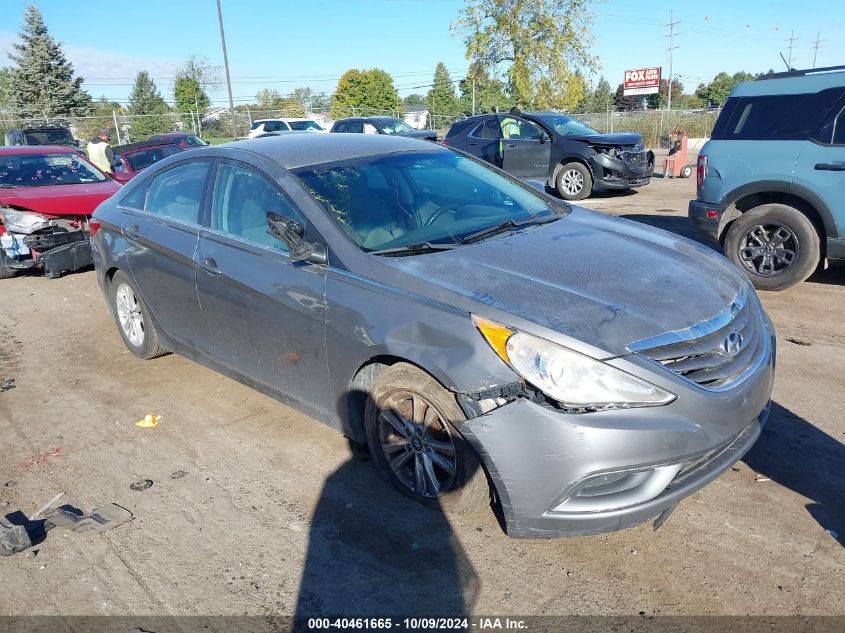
<point>257,509</point>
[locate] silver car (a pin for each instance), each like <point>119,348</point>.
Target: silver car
<point>487,341</point>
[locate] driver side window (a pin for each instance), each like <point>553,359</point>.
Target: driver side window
<point>242,198</point>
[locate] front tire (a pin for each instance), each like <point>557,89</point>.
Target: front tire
<point>574,181</point>
<point>416,447</point>
<point>133,318</point>
<point>776,245</point>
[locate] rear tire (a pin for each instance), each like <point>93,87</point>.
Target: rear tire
<point>574,181</point>
<point>133,318</point>
<point>776,245</point>
<point>417,448</point>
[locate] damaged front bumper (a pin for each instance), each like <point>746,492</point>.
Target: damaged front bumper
<point>54,251</point>
<point>615,172</point>
<point>561,473</point>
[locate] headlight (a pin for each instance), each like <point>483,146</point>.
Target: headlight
<point>23,222</point>
<point>575,380</point>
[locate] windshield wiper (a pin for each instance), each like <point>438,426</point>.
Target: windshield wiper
<point>506,225</point>
<point>415,249</point>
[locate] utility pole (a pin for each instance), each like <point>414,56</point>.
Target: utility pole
<point>671,48</point>
<point>473,96</point>
<point>791,41</point>
<point>226,66</point>
<point>816,47</point>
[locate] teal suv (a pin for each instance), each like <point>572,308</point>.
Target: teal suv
<point>771,180</point>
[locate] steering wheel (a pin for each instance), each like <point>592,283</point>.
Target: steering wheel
<point>439,212</point>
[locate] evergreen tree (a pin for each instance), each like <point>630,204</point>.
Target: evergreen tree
<point>441,99</point>
<point>599,99</point>
<point>623,103</point>
<point>145,100</point>
<point>41,81</point>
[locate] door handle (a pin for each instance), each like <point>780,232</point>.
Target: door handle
<point>511,144</point>
<point>472,143</point>
<point>133,231</point>
<point>209,265</point>
<point>830,166</point>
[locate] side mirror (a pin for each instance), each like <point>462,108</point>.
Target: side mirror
<point>290,232</point>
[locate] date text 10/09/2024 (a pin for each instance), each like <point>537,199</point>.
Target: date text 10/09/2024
<point>416,624</point>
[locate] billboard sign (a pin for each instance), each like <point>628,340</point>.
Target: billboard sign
<point>643,81</point>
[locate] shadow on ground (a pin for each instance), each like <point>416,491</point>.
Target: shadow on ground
<point>794,453</point>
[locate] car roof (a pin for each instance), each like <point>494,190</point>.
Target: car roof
<point>802,84</point>
<point>367,118</point>
<point>299,149</point>
<point>36,149</point>
<point>171,135</point>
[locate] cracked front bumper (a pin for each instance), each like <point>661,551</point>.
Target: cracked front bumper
<point>539,457</point>
<point>615,173</point>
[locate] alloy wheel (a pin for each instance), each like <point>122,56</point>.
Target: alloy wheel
<point>572,181</point>
<point>768,249</point>
<point>416,443</point>
<point>129,314</point>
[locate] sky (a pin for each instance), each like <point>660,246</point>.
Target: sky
<point>284,44</point>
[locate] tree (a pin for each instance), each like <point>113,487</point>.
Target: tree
<point>623,103</point>
<point>268,99</point>
<point>41,81</point>
<point>599,99</point>
<point>539,39</point>
<point>364,92</point>
<point>660,100</point>
<point>441,98</point>
<point>200,69</point>
<point>102,119</point>
<point>414,100</point>
<point>5,93</point>
<point>489,92</point>
<point>188,96</point>
<point>716,92</point>
<point>146,103</point>
<point>302,98</point>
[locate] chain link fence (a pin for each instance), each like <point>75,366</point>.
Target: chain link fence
<point>653,125</point>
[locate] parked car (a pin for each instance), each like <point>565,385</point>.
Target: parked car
<point>264,126</point>
<point>131,158</point>
<point>381,125</point>
<point>559,150</point>
<point>47,196</point>
<point>41,135</point>
<point>184,140</point>
<point>771,179</point>
<point>460,322</point>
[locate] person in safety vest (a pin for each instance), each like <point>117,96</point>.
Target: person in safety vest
<point>100,152</point>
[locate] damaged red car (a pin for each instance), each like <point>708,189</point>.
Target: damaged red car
<point>47,196</point>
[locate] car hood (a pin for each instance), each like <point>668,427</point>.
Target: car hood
<point>424,134</point>
<point>625,138</point>
<point>60,199</point>
<point>605,281</point>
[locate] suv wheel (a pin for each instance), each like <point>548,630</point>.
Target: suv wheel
<point>776,245</point>
<point>574,181</point>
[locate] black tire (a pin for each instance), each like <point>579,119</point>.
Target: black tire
<point>464,491</point>
<point>5,271</point>
<point>776,245</point>
<point>567,181</point>
<point>132,305</point>
<point>686,171</point>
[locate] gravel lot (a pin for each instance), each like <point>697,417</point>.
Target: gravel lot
<point>257,509</point>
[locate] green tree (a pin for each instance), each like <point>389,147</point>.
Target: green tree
<point>599,99</point>
<point>268,99</point>
<point>101,119</point>
<point>717,91</point>
<point>5,93</point>
<point>490,93</point>
<point>659,100</point>
<point>441,99</point>
<point>414,99</point>
<point>364,92</point>
<point>41,81</point>
<point>623,103</point>
<point>302,98</point>
<point>541,40</point>
<point>188,96</point>
<point>146,103</point>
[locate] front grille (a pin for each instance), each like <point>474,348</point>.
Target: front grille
<point>715,354</point>
<point>637,160</point>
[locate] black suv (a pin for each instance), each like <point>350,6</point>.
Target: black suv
<point>41,135</point>
<point>559,150</point>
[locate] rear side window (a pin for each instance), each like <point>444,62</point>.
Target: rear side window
<point>135,198</point>
<point>355,127</point>
<point>490,129</point>
<point>774,117</point>
<point>340,127</point>
<point>839,129</point>
<point>177,192</point>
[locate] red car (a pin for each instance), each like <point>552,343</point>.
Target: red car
<point>47,196</point>
<point>185,140</point>
<point>133,157</point>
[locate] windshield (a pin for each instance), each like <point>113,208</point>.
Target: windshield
<point>193,141</point>
<point>567,126</point>
<point>305,125</point>
<point>40,170</point>
<point>146,157</point>
<point>394,126</point>
<point>48,137</point>
<point>397,200</point>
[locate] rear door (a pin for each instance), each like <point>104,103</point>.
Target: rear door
<point>161,243</point>
<point>526,149</point>
<point>265,314</point>
<point>485,141</point>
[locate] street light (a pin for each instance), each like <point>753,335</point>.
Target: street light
<point>226,66</point>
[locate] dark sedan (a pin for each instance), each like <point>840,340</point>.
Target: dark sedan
<point>559,150</point>
<point>473,331</point>
<point>380,125</point>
